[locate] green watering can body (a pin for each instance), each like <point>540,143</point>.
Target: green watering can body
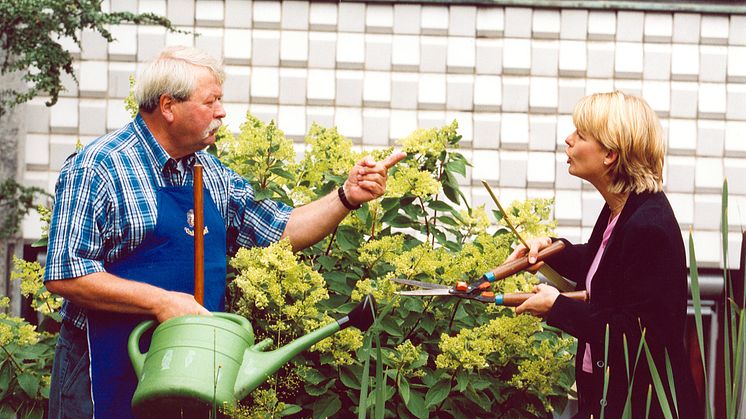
<point>197,362</point>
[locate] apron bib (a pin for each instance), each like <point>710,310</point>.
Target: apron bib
<point>164,259</point>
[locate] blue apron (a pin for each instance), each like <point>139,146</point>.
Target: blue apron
<point>165,259</point>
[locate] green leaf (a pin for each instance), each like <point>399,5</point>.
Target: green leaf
<point>262,194</point>
<point>462,380</point>
<point>428,324</point>
<point>350,377</point>
<point>279,171</point>
<point>289,409</point>
<point>438,205</point>
<point>404,389</point>
<point>437,393</point>
<point>6,373</point>
<point>318,390</point>
<point>416,404</point>
<point>458,166</point>
<point>326,406</point>
<point>347,240</point>
<point>29,384</point>
<point>400,221</point>
<point>311,376</point>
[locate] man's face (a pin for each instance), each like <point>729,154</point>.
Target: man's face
<point>198,118</point>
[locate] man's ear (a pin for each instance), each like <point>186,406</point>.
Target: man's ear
<point>165,106</point>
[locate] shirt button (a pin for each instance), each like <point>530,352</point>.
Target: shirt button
<point>600,364</point>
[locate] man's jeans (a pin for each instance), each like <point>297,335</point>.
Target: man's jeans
<point>70,392</point>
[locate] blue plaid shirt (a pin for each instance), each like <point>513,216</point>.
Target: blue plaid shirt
<point>105,204</point>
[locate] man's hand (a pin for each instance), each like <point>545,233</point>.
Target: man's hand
<point>540,303</point>
<point>175,304</point>
<point>535,245</point>
<point>367,179</point>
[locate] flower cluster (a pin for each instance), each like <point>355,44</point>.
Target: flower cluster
<point>31,275</point>
<point>409,180</point>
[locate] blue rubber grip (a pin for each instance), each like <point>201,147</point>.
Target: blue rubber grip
<point>499,299</point>
<point>489,276</point>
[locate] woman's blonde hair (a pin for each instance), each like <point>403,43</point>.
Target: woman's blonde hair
<point>627,125</point>
<point>173,73</point>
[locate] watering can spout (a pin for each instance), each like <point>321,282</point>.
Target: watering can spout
<point>258,365</point>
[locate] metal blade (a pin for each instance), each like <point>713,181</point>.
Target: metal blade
<point>426,285</point>
<point>421,293</point>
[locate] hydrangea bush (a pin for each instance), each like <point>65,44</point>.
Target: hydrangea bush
<point>439,356</point>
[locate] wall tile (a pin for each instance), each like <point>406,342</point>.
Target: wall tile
<point>713,59</point>
<point>490,22</point>
<point>567,210</point>
<point>601,25</point>
<point>630,26</point>
<point>489,56</point>
<point>350,50</point>
<point>544,58</point>
<point>686,28</point>
<point>116,116</point>
<point>322,50</point>
<point>628,60</point>
<point>592,203</point>
<point>321,88</point>
<point>377,89</point>
<point>573,24</point>
<point>513,169</point>
<point>322,115</point>
<point>572,58</point>
<point>267,14</point>
<point>379,18</point>
<point>210,39</point>
<point>434,20</point>
<point>546,24</point>
<point>404,90</point>
<point>92,117</point>
<point>430,119</point>
<point>600,59</point>
<point>540,169</point>
<point>403,122</point>
<point>684,99</point>
<point>736,97</point>
<point>709,175</point>
<point>570,92</point>
<point>180,12</point>
<point>150,42</point>
<point>658,27</point>
<point>735,172</point>
<point>707,212</point>
<point>658,96</point>
<point>295,15</point>
<point>459,92</point>
<point>124,47</point>
<point>543,94</point>
<point>683,208</point>
<point>487,93</point>
<point>265,85</point>
<point>433,53</point>
<point>265,48</point>
<point>682,136</point>
<point>518,22</point>
<point>486,165</point>
<point>349,88</point>
<point>514,129</point>
<point>378,54</point>
<point>563,179</point>
<point>264,112</point>
<point>407,19</point>
<point>93,79</point>
<point>293,87</point>
<point>712,100</point>
<point>714,29</point>
<point>349,122</point>
<point>237,84</point>
<point>405,52</point>
<point>93,46</point>
<point>294,49</point>
<point>292,121</point>
<point>737,64</point>
<point>322,16</point>
<point>237,46</point>
<point>209,13</point>
<point>735,139</point>
<point>710,138</point>
<point>463,21</point>
<point>542,133</point>
<point>516,56</point>
<point>656,62</point>
<point>37,151</point>
<point>64,116</point>
<point>486,130</point>
<point>461,56</point>
<point>119,74</point>
<point>376,126</point>
<point>515,94</point>
<point>37,116</point>
<point>737,33</point>
<point>432,91</point>
<point>238,14</point>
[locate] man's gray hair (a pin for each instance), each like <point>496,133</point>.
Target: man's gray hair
<point>173,73</point>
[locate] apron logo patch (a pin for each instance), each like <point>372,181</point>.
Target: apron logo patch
<point>190,222</point>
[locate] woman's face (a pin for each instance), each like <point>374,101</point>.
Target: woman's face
<point>585,155</point>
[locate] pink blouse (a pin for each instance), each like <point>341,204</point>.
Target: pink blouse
<point>587,362</point>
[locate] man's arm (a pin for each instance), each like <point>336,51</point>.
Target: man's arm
<point>314,221</point>
<point>104,291</point>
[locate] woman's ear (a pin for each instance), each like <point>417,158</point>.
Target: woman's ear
<point>610,157</point>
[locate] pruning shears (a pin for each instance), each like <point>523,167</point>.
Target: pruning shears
<point>479,289</point>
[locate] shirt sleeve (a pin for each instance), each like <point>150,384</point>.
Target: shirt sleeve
<point>77,225</point>
<point>254,223</point>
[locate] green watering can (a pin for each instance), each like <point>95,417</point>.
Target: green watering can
<point>195,362</point>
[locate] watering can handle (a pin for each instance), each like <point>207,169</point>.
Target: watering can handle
<point>133,346</point>
<point>235,318</point>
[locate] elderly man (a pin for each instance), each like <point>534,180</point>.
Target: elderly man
<point>118,248</point>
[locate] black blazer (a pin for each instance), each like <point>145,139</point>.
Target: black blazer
<point>641,282</point>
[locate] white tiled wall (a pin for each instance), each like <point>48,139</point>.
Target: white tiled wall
<point>510,75</point>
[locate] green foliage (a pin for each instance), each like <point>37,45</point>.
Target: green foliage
<point>16,201</point>
<point>436,356</point>
<point>31,30</point>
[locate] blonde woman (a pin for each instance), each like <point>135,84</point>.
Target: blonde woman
<point>633,266</point>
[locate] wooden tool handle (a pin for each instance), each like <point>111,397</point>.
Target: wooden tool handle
<point>516,299</point>
<point>199,237</point>
<point>511,268</point>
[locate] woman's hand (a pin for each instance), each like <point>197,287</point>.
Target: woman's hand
<point>534,246</point>
<point>541,302</point>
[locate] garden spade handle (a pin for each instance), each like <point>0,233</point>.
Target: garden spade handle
<point>510,268</point>
<point>199,237</point>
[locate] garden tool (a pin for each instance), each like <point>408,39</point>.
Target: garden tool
<point>478,290</point>
<point>552,276</point>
